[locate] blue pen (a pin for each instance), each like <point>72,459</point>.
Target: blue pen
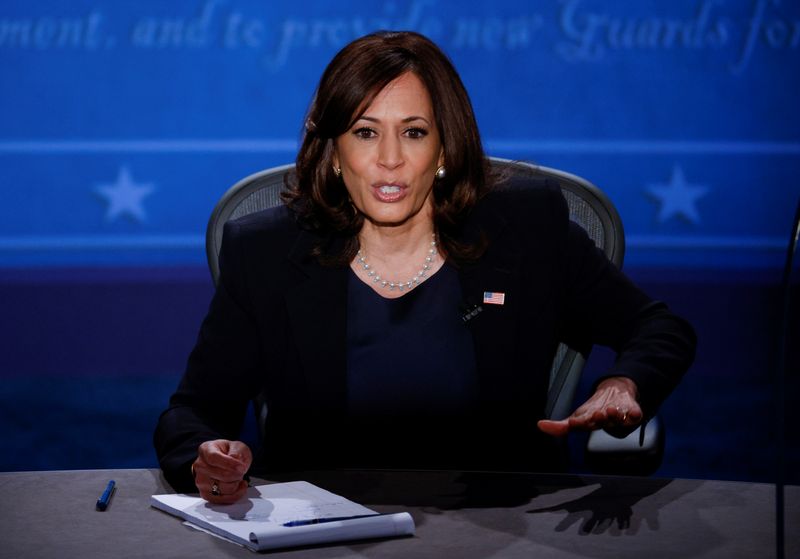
<point>105,498</point>
<point>310,521</point>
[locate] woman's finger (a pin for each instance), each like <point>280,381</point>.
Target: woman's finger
<point>216,454</point>
<point>554,428</point>
<point>221,474</point>
<point>222,497</point>
<point>241,452</point>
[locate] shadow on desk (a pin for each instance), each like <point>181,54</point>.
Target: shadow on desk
<point>595,504</point>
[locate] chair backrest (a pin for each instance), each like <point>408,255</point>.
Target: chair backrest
<point>588,207</point>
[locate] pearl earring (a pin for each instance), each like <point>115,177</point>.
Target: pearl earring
<point>338,172</point>
<point>441,172</point>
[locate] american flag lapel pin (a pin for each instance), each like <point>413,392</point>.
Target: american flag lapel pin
<point>494,298</point>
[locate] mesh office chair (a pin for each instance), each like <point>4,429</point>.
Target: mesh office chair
<point>639,453</point>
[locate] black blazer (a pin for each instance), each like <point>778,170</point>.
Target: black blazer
<point>277,324</point>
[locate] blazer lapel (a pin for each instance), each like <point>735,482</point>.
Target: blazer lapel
<point>494,329</point>
<point>317,307</point>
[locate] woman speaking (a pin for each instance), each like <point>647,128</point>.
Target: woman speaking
<point>346,306</point>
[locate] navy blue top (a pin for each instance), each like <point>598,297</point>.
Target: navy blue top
<point>409,356</point>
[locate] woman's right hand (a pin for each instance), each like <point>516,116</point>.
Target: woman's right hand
<point>219,470</point>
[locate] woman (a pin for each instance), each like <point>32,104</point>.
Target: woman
<point>345,306</point>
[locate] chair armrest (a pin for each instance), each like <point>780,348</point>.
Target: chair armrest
<point>638,454</point>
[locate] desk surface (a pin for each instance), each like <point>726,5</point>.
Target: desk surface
<point>51,514</point>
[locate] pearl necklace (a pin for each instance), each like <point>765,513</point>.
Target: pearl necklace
<point>402,286</point>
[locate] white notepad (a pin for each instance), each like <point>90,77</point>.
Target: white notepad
<point>257,521</point>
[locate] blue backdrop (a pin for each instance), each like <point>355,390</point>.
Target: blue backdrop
<point>124,122</point>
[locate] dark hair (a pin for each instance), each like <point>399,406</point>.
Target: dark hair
<point>348,86</point>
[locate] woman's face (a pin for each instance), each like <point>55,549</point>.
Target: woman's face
<point>390,155</point>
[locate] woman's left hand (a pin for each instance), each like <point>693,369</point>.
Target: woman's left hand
<point>612,406</point>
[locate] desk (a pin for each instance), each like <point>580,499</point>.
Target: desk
<point>459,515</point>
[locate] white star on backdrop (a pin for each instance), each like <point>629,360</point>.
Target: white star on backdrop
<point>124,196</point>
<point>678,197</point>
